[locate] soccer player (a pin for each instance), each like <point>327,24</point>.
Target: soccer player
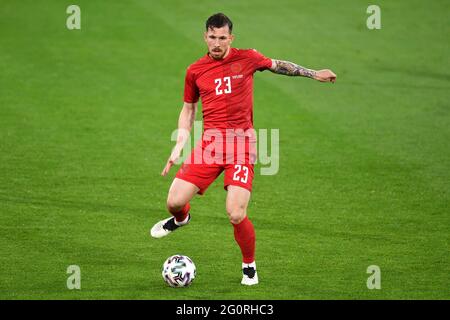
<point>223,79</point>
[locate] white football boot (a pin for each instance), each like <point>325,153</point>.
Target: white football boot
<point>166,226</point>
<point>249,274</point>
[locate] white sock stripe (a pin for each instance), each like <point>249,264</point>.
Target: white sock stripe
<point>251,265</point>
<point>182,222</point>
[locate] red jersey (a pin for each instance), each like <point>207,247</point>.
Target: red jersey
<point>225,87</point>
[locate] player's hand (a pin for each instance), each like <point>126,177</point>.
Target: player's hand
<point>172,159</point>
<point>325,75</point>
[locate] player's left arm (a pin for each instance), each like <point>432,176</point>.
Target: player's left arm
<point>291,69</point>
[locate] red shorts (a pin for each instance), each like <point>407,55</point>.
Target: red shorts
<point>203,166</point>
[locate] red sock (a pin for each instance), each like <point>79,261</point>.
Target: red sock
<point>244,233</point>
<point>181,215</point>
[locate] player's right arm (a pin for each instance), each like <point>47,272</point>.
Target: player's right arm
<point>186,118</point>
<point>185,122</point>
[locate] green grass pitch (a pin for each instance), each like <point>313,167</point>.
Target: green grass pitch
<point>85,123</point>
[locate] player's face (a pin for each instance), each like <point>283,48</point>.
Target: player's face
<point>218,41</point>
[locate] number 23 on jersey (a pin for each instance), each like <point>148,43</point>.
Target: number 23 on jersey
<point>223,85</point>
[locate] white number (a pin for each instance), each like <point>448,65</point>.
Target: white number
<point>218,83</point>
<point>240,168</point>
<point>244,179</point>
<point>228,84</point>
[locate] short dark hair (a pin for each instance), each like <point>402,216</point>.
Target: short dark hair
<point>219,20</point>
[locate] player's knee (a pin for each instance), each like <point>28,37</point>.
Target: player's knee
<point>174,205</point>
<point>236,214</point>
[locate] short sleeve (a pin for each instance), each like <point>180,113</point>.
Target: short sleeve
<point>191,92</point>
<point>260,62</point>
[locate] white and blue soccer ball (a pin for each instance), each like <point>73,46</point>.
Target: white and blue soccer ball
<point>179,271</point>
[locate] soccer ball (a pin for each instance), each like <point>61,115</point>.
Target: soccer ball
<point>178,271</point>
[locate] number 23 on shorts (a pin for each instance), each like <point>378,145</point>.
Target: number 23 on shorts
<point>240,173</point>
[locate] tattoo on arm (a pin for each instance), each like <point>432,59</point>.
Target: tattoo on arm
<point>291,69</point>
